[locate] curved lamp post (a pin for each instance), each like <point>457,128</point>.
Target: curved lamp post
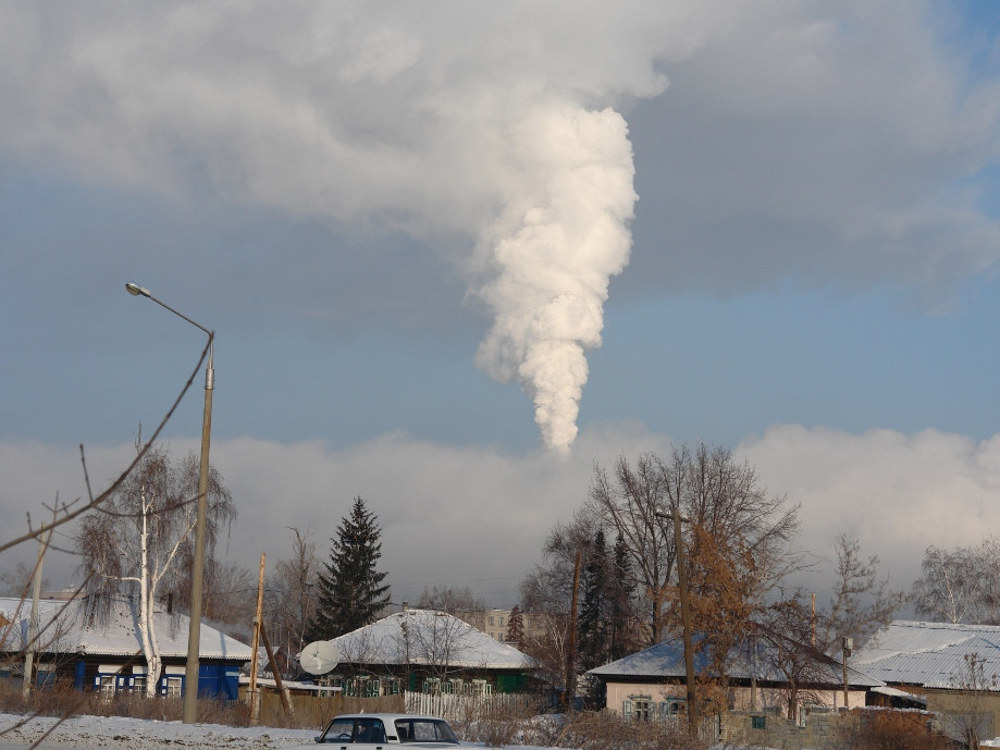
<point>190,713</point>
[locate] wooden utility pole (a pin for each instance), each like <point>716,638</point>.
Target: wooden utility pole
<point>254,702</point>
<point>847,644</point>
<point>682,580</point>
<point>282,691</point>
<point>571,641</point>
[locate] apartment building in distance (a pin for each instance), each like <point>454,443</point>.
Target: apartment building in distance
<point>496,623</point>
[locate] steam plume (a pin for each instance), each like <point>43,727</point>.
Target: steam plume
<point>553,252</point>
<point>452,120</point>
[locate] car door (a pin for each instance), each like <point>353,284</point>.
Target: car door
<point>357,733</point>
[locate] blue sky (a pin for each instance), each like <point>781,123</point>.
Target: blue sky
<point>359,203</point>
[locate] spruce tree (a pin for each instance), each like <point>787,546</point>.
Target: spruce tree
<point>515,627</point>
<point>620,594</point>
<point>593,612</point>
<point>351,591</point>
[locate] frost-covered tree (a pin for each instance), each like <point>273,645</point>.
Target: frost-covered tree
<point>960,585</point>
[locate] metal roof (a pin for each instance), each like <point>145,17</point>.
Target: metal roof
<point>931,654</point>
<point>666,660</point>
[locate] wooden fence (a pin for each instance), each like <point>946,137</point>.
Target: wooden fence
<point>312,710</point>
<point>454,707</point>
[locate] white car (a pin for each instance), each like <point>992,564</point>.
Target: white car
<point>374,731</point>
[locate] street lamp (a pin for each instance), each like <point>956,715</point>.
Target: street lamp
<point>190,712</point>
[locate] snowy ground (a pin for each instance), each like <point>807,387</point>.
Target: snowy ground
<point>117,733</point>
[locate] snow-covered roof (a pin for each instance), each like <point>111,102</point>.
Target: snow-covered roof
<point>421,636</point>
<point>64,629</point>
<point>666,660</point>
<point>930,654</point>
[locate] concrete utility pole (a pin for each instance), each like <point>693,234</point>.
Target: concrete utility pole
<point>31,647</point>
<point>190,704</point>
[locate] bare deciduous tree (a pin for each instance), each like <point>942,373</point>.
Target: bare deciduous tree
<point>133,544</point>
<point>719,497</point>
<point>862,604</point>
<point>972,722</point>
<point>960,585</point>
<point>433,640</point>
<point>548,590</point>
<point>17,582</point>
<point>782,643</point>
<point>451,600</point>
<point>290,594</point>
<point>633,504</point>
<point>230,590</point>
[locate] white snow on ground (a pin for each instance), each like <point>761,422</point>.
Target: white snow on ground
<point>118,733</point>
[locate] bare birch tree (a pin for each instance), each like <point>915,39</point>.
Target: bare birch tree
<point>133,543</point>
<point>960,585</point>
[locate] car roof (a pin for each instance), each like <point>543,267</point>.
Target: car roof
<point>389,717</point>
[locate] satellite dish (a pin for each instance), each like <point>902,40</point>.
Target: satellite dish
<point>319,657</point>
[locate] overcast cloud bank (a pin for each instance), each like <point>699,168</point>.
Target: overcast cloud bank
<point>478,517</point>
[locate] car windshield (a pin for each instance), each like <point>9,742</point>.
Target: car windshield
<point>340,730</point>
<point>425,730</point>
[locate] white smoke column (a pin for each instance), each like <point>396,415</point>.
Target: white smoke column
<point>477,130</point>
<point>553,252</point>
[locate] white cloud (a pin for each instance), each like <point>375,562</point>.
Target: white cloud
<point>836,143</point>
<point>896,493</point>
<point>477,516</point>
<point>795,139</point>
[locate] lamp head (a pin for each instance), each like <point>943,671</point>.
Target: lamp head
<point>133,288</point>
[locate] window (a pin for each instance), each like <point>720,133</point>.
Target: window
<point>106,684</point>
<point>424,730</point>
<point>638,707</point>
<point>340,730</point>
<point>672,707</point>
<point>139,683</point>
<point>172,687</point>
<point>45,677</point>
<point>369,730</point>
